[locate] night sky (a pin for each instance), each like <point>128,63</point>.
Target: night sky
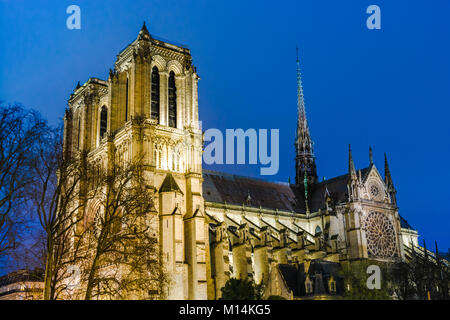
<point>388,88</point>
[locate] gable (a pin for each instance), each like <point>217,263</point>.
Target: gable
<point>374,186</point>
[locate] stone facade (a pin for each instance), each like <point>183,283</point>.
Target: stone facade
<point>213,226</point>
<point>22,285</point>
<point>175,150</point>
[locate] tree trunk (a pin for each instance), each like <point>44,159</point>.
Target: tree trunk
<point>90,284</point>
<point>48,270</point>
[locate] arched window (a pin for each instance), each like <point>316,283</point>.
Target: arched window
<point>332,285</point>
<point>308,285</point>
<point>126,101</point>
<point>172,101</point>
<point>318,231</point>
<point>155,94</point>
<point>79,132</point>
<point>103,122</point>
<point>173,159</point>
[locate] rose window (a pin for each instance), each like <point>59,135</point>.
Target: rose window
<point>380,234</point>
<point>374,190</point>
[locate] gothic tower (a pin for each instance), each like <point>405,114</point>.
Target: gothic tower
<point>148,108</point>
<point>305,163</point>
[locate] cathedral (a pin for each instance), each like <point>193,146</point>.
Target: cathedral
<point>212,225</point>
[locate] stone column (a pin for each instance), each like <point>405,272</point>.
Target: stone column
<point>262,255</point>
<point>194,106</point>
<point>179,84</point>
<point>356,238</point>
<point>282,251</point>
<point>221,259</point>
<point>163,98</point>
<point>242,259</point>
<point>196,255</point>
<point>299,252</point>
<point>172,241</point>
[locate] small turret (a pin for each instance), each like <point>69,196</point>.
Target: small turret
<point>352,183</point>
<point>388,181</point>
<point>144,34</point>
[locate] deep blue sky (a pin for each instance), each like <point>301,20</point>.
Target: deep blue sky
<point>386,88</point>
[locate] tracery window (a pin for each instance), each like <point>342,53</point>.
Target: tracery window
<point>172,92</point>
<point>318,230</point>
<point>79,132</point>
<point>155,94</point>
<point>126,101</point>
<point>157,156</point>
<point>97,225</point>
<point>172,151</point>
<point>308,285</point>
<point>103,122</point>
<point>380,234</point>
<point>332,285</point>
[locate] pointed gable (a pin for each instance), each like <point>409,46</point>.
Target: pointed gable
<point>169,185</point>
<point>144,34</point>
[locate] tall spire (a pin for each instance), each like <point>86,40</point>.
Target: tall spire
<point>387,172</point>
<point>144,34</point>
<point>388,180</point>
<point>370,155</point>
<point>304,161</point>
<point>351,164</point>
<point>352,182</point>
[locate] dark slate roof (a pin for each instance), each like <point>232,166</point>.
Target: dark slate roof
<point>233,189</point>
<point>169,184</point>
<point>21,276</point>
<point>319,272</point>
<point>405,224</point>
<point>294,277</point>
<point>325,267</point>
<point>227,188</point>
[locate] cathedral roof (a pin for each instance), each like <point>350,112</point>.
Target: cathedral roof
<point>169,184</point>
<point>404,224</point>
<point>319,272</point>
<point>336,187</point>
<point>233,189</point>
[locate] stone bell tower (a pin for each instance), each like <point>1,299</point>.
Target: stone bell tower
<point>148,108</point>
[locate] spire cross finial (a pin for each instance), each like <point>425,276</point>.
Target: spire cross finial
<point>305,161</point>
<point>300,101</point>
<point>143,33</point>
<point>351,164</point>
<point>387,172</point>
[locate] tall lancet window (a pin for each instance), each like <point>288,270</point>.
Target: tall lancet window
<point>126,101</point>
<point>155,94</point>
<point>172,101</point>
<point>103,122</point>
<point>79,132</point>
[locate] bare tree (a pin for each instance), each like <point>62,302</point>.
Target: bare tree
<point>420,277</point>
<point>124,260</point>
<point>56,193</point>
<point>18,131</point>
